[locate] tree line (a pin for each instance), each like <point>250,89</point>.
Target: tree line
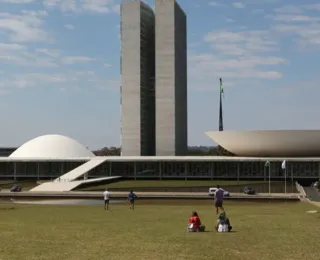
<point>192,151</point>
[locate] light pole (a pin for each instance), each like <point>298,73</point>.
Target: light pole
<point>267,165</point>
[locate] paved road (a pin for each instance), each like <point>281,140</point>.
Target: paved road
<point>147,195</point>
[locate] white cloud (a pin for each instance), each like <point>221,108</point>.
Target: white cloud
<point>64,5</point>
<point>107,85</point>
<point>313,7</point>
<point>296,21</point>
<point>216,4</point>
<point>107,65</point>
<point>116,9</point>
<point>294,18</point>
<point>11,47</point>
<point>238,56</point>
<point>76,59</point>
<point>27,61</point>
<point>19,55</point>
<point>93,6</point>
<point>238,5</point>
<point>50,52</point>
<point>214,62</point>
<point>308,35</point>
<point>69,26</point>
<point>85,72</point>
<point>240,43</point>
<point>97,6</point>
<point>66,81</point>
<point>17,1</point>
<point>288,9</point>
<point>229,20</point>
<point>24,27</point>
<point>246,56</point>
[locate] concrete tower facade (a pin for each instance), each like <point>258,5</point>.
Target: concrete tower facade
<point>137,79</point>
<point>171,79</point>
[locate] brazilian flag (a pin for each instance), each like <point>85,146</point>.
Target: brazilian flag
<point>221,88</point>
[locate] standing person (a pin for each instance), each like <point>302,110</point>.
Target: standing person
<point>106,197</point>
<point>131,198</point>
<point>218,196</point>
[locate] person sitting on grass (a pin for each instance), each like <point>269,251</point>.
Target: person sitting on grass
<point>195,223</point>
<point>131,198</point>
<point>223,223</point>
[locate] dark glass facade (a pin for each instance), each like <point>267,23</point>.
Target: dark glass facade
<point>237,170</point>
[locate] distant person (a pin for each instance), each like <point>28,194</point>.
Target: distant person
<point>218,198</point>
<point>106,197</point>
<point>195,223</point>
<point>131,197</point>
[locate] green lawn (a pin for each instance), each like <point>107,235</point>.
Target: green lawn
<point>263,231</point>
<point>26,185</point>
<point>171,183</point>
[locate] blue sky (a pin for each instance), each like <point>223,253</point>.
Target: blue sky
<point>59,67</point>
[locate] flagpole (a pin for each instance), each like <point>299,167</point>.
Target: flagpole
<point>220,108</point>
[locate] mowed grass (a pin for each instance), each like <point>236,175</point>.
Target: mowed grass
<point>263,231</point>
<point>172,183</point>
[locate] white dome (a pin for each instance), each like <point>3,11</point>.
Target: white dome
<point>52,146</point>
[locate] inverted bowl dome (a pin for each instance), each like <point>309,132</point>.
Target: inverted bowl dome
<point>274,143</point>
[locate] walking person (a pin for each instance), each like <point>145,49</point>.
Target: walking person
<point>106,197</point>
<point>131,197</point>
<point>218,199</point>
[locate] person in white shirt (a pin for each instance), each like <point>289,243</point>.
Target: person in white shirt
<point>106,196</point>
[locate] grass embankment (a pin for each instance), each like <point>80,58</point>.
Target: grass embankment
<point>263,231</point>
<point>170,183</point>
<point>26,185</point>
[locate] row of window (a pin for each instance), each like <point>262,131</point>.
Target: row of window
<point>220,169</point>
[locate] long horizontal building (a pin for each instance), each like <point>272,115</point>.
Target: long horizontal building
<point>60,157</point>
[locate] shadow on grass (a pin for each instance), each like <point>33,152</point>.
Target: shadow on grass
<point>214,231</point>
<point>11,208</point>
<point>232,231</point>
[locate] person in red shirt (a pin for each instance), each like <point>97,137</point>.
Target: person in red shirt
<point>195,221</point>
